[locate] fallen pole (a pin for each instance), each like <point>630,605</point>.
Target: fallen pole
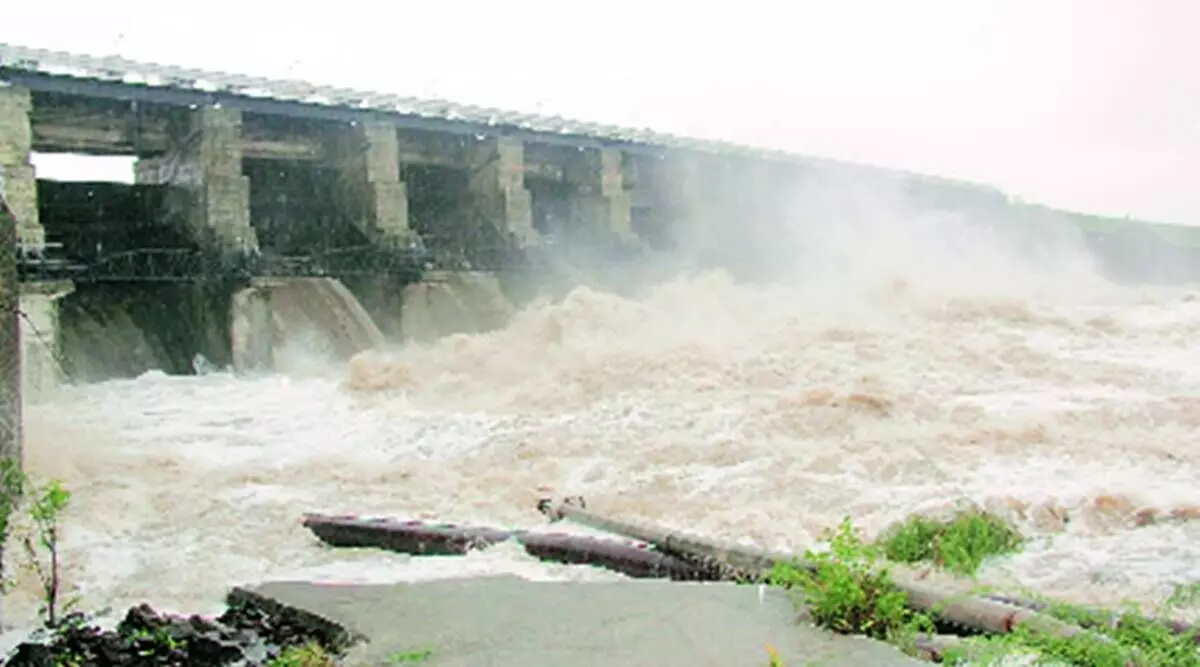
<point>410,537</point>
<point>979,614</point>
<point>422,539</point>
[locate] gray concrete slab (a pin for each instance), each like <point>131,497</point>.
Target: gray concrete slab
<point>509,622</point>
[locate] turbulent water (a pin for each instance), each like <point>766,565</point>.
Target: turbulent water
<point>736,411</point>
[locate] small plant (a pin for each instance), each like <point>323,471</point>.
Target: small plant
<point>46,508</point>
<point>1184,596</point>
<point>773,659</point>
<point>959,545</point>
<point>849,589</point>
<point>402,657</point>
<point>45,504</point>
<point>307,655</point>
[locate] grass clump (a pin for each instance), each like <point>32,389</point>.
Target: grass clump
<point>849,590</point>
<point>306,655</point>
<point>404,657</point>
<point>959,544</point>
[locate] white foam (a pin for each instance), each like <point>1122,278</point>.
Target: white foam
<point>745,413</point>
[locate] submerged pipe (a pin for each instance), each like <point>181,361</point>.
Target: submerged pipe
<point>421,539</point>
<point>1099,617</point>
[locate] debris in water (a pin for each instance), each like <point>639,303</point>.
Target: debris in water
<point>424,539</point>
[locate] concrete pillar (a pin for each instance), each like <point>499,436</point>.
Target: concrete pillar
<point>41,365</point>
<point>603,199</point>
<point>20,180</point>
<point>498,187</point>
<point>680,188</point>
<point>684,206</point>
<point>367,157</point>
<point>209,194</point>
<point>251,331</point>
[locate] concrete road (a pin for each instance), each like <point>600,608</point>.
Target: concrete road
<point>509,622</point>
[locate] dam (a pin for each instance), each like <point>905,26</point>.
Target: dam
<point>248,188</point>
<point>738,342</point>
<point>239,179</point>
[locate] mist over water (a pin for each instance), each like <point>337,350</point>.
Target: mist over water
<point>891,363</point>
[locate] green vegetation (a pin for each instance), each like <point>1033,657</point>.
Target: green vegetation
<point>48,504</point>
<point>44,505</point>
<point>959,545</point>
<point>405,657</point>
<point>308,655</point>
<point>312,655</point>
<point>848,589</point>
<point>1114,640</point>
<point>12,487</point>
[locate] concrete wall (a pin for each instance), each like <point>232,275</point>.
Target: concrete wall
<point>42,369</point>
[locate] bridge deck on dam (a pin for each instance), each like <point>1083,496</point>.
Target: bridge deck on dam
<point>120,78</point>
<point>407,157</point>
<point>112,76</point>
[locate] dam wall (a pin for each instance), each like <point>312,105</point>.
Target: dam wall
<point>42,369</point>
<point>121,331</point>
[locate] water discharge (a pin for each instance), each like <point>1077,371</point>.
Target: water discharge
<point>890,373</point>
<point>318,320</point>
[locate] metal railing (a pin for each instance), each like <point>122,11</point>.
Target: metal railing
<point>191,265</point>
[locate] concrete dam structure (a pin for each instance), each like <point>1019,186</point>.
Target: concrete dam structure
<point>267,215</point>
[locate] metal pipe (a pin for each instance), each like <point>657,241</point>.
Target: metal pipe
<point>422,539</point>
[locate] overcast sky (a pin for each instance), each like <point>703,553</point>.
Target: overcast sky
<point>1092,105</point>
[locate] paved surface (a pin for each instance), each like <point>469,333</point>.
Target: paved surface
<point>509,622</point>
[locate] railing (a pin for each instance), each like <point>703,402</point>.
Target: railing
<point>407,263</point>
<point>191,265</point>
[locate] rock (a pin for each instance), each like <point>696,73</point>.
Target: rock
<point>248,634</point>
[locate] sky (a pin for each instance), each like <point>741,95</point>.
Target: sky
<point>1089,105</point>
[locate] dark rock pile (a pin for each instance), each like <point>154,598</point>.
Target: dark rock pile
<point>252,632</point>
